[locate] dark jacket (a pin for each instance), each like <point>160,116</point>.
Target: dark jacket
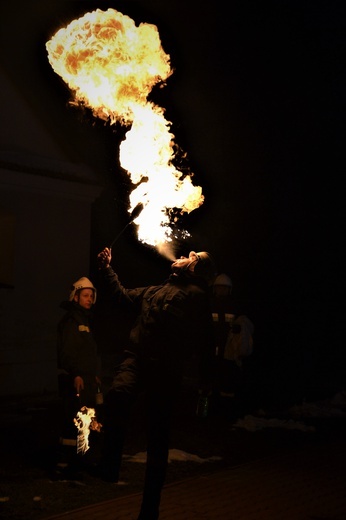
<point>76,347</point>
<point>173,320</point>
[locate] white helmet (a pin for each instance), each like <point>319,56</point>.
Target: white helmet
<point>223,279</point>
<point>82,283</point>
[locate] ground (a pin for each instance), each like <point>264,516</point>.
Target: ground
<point>29,436</point>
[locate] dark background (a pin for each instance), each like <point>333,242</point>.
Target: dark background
<point>257,102</point>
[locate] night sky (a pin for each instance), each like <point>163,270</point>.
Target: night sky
<point>257,101</point>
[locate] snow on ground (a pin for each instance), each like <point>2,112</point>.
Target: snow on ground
<point>252,423</point>
<point>334,407</point>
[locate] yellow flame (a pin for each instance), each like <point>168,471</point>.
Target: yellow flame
<point>111,66</point>
<point>85,421</point>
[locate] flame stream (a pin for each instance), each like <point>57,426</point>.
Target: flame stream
<point>111,66</point>
<point>109,62</point>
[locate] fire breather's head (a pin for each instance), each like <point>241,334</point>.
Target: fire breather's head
<point>205,267</point>
<point>201,265</point>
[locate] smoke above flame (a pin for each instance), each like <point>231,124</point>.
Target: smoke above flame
<point>111,66</point>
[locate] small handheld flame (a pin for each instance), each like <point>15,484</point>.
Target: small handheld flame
<point>111,66</point>
<point>85,421</point>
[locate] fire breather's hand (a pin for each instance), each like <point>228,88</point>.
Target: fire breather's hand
<point>104,258</point>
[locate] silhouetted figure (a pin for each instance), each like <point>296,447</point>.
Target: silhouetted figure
<point>172,319</point>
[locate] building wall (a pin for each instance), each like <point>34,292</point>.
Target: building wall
<point>44,248</point>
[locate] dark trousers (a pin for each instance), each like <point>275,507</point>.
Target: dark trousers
<point>160,385</point>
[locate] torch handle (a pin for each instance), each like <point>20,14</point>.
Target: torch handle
<point>119,234</point>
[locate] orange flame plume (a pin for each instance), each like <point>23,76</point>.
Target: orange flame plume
<point>111,66</point>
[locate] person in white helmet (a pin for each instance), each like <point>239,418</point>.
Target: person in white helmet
<point>79,368</point>
<point>173,318</point>
<point>234,342</point>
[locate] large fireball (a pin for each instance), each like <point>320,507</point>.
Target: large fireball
<point>111,66</point>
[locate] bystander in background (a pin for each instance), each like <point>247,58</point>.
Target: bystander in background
<point>79,368</point>
<point>234,344</point>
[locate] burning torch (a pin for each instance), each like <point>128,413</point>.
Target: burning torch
<point>134,214</point>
